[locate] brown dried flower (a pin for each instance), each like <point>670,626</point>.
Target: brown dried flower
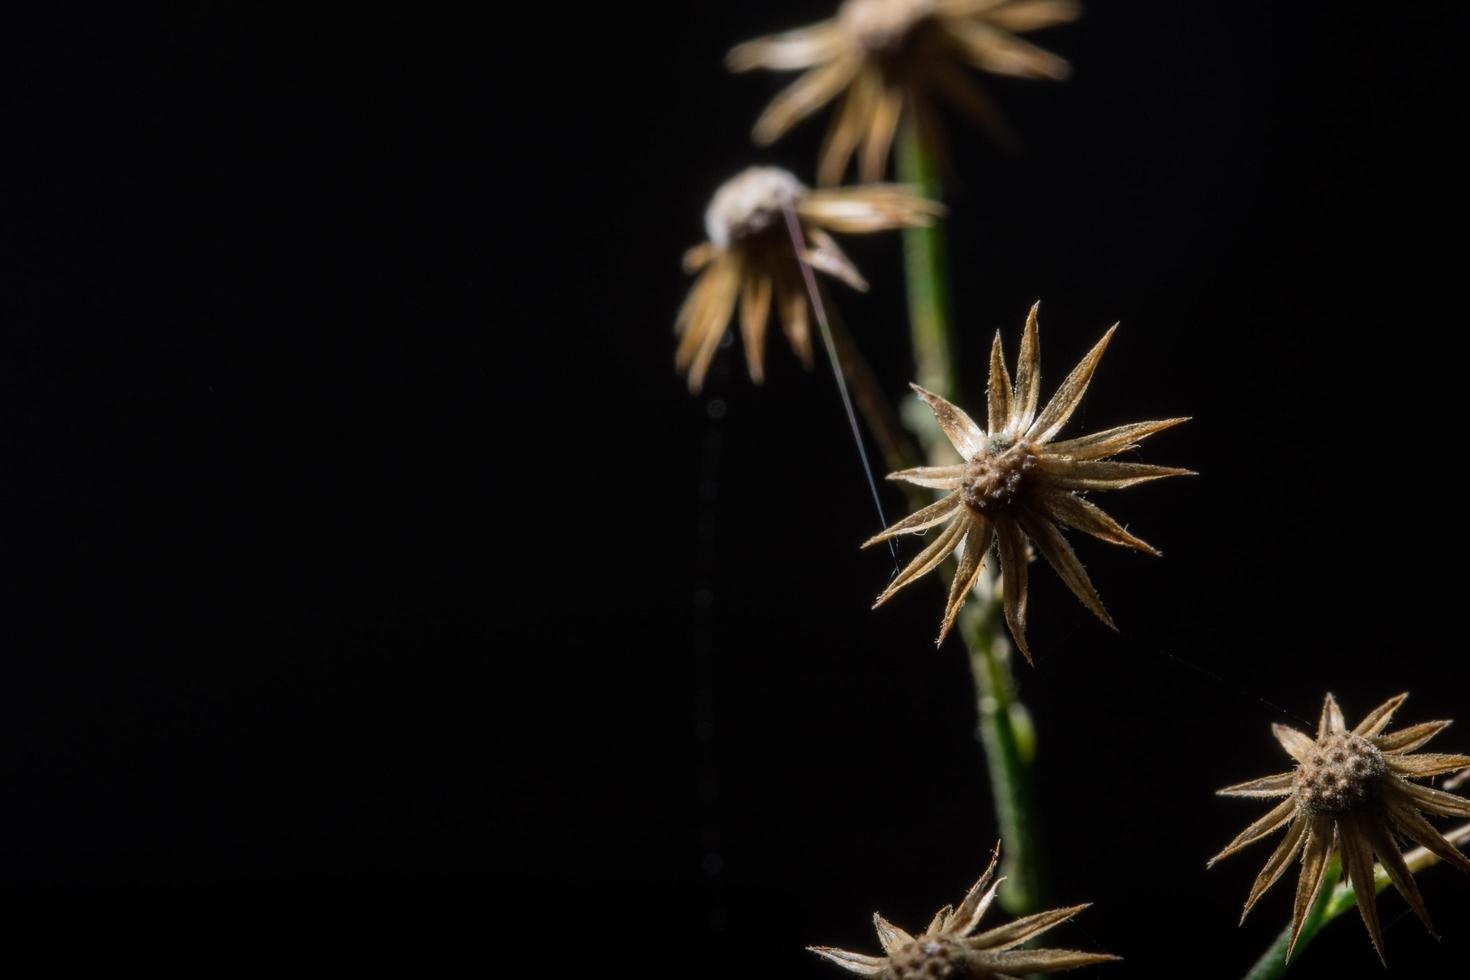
<point>750,256</point>
<point>892,57</point>
<point>1016,483</point>
<point>947,951</point>
<point>1351,792</point>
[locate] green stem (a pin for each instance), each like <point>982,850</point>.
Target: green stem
<point>1332,903</point>
<point>1004,728</point>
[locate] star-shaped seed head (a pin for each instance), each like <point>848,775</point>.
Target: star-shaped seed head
<point>1353,793</point>
<point>1017,482</point>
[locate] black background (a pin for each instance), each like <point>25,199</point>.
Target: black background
<point>364,557</point>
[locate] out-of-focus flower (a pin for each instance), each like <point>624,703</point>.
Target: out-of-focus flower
<point>750,259</point>
<point>1353,792</point>
<point>1015,483</point>
<point>946,950</point>
<point>892,57</point>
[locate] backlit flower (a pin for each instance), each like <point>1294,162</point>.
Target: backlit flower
<point>946,950</point>
<point>892,57</point>
<point>1017,483</point>
<point>1353,793</point>
<point>749,259</point>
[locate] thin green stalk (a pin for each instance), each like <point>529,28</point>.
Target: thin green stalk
<point>1004,728</point>
<point>1332,903</point>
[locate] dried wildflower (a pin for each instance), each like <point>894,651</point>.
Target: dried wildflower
<point>750,256</point>
<point>1352,793</point>
<point>893,57</point>
<point>947,951</point>
<point>1016,483</point>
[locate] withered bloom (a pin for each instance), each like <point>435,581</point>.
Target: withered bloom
<point>947,951</point>
<point>750,257</point>
<point>1352,793</point>
<point>1015,483</point>
<point>893,57</point>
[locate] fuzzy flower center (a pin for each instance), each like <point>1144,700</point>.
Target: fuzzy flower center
<point>927,958</point>
<point>882,25</point>
<point>1338,775</point>
<point>992,480</point>
<point>750,203</point>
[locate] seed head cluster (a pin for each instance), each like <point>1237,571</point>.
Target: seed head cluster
<point>1338,774</point>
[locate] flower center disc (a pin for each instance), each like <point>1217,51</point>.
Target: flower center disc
<point>750,203</point>
<point>927,958</point>
<point>882,25</point>
<point>992,480</point>
<point>1338,774</point>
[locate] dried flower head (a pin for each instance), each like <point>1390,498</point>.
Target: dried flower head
<point>893,57</point>
<point>1015,482</point>
<point>749,255</point>
<point>1352,792</point>
<point>947,951</point>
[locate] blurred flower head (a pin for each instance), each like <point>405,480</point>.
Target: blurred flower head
<point>888,58</point>
<point>749,259</point>
<point>947,950</point>
<point>1016,483</point>
<point>1353,793</point>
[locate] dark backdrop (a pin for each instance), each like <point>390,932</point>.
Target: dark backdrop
<point>364,557</point>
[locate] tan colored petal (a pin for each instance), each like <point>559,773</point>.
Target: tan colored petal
<point>866,966</point>
<point>1110,442</point>
<point>928,559</point>
<point>1320,838</point>
<point>1060,556</point>
<point>1296,743</point>
<point>1411,823</point>
<point>1044,960</point>
<point>1073,474</point>
<point>1432,800</point>
<point>1357,866</point>
<point>919,520</point>
<point>755,311</point>
<point>825,255</point>
<point>1028,373</point>
<point>1069,395</point>
<point>1003,53</point>
<point>873,207</point>
<point>881,129</point>
<point>977,900</point>
<point>940,920</point>
<point>1276,865</point>
<point>803,97</point>
<point>966,437</point>
<point>1280,816</point>
<point>1398,871</point>
<point>1281,784</point>
<point>1073,511</point>
<point>1013,569</point>
<point>1411,738</point>
<point>998,395</point>
<point>933,477</point>
<point>789,50</point>
<point>846,132</point>
<point>1379,717</point>
<point>889,935</point>
<point>977,543</point>
<point>1426,764</point>
<point>705,316</point>
<point>1015,933</point>
<point>1331,722</point>
<point>792,303</point>
<point>1033,15</point>
<point>700,256</point>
